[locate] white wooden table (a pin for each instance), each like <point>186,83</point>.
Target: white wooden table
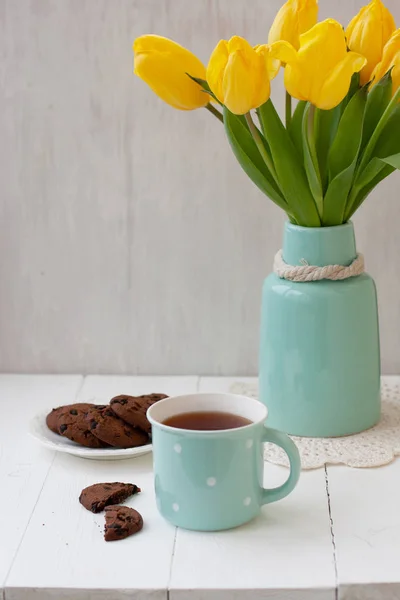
<point>336,537</point>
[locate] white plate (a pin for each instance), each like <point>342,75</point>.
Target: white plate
<point>39,430</point>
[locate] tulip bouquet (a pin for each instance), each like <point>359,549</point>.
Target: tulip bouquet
<point>343,136</point>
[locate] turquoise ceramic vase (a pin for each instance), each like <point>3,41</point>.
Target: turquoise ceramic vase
<point>319,351</point>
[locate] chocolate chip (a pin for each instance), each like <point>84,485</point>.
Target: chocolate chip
<point>73,412</point>
<point>122,401</point>
<point>63,428</point>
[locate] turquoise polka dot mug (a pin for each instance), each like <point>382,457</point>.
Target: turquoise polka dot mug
<point>213,480</point>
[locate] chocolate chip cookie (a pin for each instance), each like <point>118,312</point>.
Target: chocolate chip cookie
<point>133,409</point>
<point>73,425</point>
<point>53,416</point>
<point>112,430</point>
<point>121,522</point>
<point>96,497</point>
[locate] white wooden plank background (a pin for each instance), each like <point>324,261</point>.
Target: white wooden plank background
<point>24,464</point>
<point>133,242</point>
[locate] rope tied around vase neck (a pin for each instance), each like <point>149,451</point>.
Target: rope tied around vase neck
<point>306,272</point>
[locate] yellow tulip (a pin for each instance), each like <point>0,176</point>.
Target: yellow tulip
<point>368,32</point>
<point>164,65</point>
<point>239,75</point>
<point>321,70</point>
<point>390,60</point>
<point>294,18</point>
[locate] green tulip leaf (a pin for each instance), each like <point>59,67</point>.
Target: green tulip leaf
<point>296,126</point>
<point>346,144</point>
<point>310,159</point>
<point>374,168</point>
<point>326,124</point>
<point>382,164</point>
<point>361,194</point>
<point>342,159</point>
<point>354,87</point>
<point>204,84</point>
<point>249,157</point>
<point>368,174</point>
<point>290,172</point>
<point>393,161</point>
<point>388,142</point>
<point>336,196</point>
<point>377,102</point>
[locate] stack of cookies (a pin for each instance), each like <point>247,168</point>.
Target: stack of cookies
<point>121,424</point>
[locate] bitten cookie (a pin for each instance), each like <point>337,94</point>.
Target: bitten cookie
<point>96,497</point>
<point>72,424</point>
<point>121,522</point>
<point>112,430</point>
<point>133,409</point>
<point>52,417</point>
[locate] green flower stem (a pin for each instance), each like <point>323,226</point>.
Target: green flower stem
<point>375,136</point>
<point>288,110</point>
<point>313,125</point>
<point>317,121</point>
<point>214,112</point>
<point>261,148</point>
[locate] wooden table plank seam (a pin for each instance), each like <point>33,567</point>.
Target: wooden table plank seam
<point>332,530</point>
<point>172,562</point>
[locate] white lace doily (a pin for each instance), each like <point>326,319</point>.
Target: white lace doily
<point>372,448</point>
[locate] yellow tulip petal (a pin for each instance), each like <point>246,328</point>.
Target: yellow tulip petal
<point>368,32</point>
<point>294,18</point>
<point>238,74</point>
<point>170,81</point>
<point>284,52</point>
<point>295,83</point>
<point>396,74</point>
<point>216,67</point>
<point>354,23</point>
<point>282,27</point>
<point>238,85</point>
<point>163,65</point>
<point>294,77</point>
<point>390,59</point>
<point>262,88</point>
<point>157,44</point>
<point>238,43</point>
<point>307,15</point>
<point>272,64</point>
<point>262,93</point>
<point>323,46</point>
<point>337,84</point>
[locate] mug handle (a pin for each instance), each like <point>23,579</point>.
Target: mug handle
<point>283,441</point>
